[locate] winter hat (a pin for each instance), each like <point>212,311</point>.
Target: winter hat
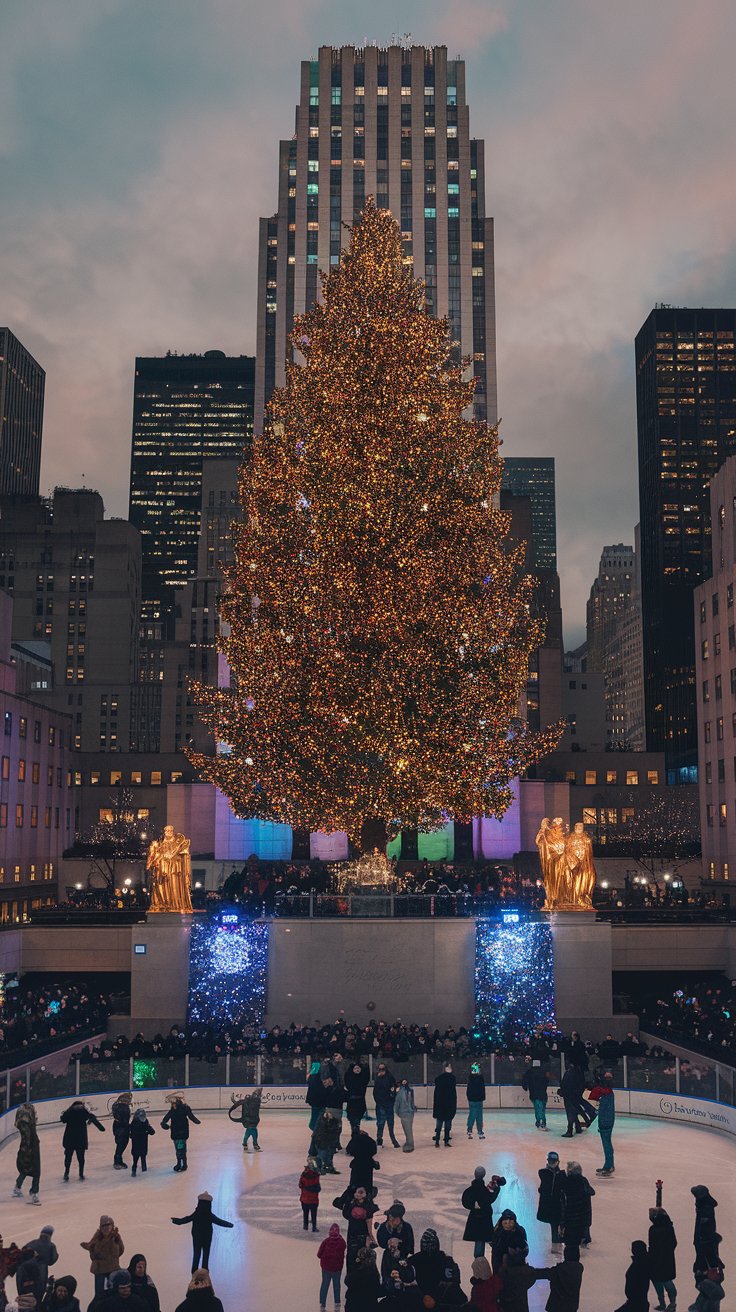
<point>140,1114</point>
<point>396,1209</point>
<point>69,1284</point>
<point>479,1172</point>
<point>571,1253</point>
<point>553,1157</point>
<point>481,1268</point>
<point>508,1215</point>
<point>204,1198</point>
<point>106,1220</point>
<point>47,1230</point>
<point>119,1278</point>
<point>334,1230</point>
<point>429,1243</point>
<point>700,1191</point>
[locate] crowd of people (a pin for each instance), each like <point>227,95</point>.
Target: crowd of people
<point>36,1020</point>
<point>704,1013</point>
<point>374,1248</point>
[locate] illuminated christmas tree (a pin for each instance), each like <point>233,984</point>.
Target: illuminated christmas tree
<point>379,619</point>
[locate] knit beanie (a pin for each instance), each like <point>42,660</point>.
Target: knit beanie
<point>429,1243</point>
<point>119,1278</point>
<point>479,1172</point>
<point>481,1268</point>
<point>47,1229</point>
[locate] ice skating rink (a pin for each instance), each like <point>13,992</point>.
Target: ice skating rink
<point>268,1262</point>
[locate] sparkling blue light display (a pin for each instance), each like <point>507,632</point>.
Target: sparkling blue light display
<point>514,978</point>
<point>228,971</point>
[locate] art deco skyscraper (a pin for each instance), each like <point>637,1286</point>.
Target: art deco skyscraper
<point>393,123</point>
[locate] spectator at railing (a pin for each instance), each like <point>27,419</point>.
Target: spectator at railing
<point>705,1013</point>
<point>35,1021</point>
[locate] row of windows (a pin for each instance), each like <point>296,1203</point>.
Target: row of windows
<point>705,645</point>
<point>718,686</point>
<point>720,770</point>
<point>49,813</point>
<point>37,729</point>
<point>607,817</point>
<point>35,772</point>
<point>16,874</point>
<point>116,778</point>
<point>630,777</point>
<point>710,813</point>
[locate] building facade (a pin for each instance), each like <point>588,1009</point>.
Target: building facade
<point>686,421</point>
<point>392,123</point>
<point>75,580</point>
<point>715,675</point>
<point>609,598</point>
<point>613,644</point>
<point>186,409</point>
<point>22,384</point>
<point>37,810</point>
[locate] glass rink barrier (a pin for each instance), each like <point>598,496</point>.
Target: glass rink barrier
<point>675,1087</point>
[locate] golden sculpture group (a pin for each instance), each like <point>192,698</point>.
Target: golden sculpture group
<point>567,866</point>
<point>170,866</point>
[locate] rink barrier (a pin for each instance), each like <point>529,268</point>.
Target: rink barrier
<point>501,1097</point>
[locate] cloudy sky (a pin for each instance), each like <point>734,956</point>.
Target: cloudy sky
<point>138,147</point>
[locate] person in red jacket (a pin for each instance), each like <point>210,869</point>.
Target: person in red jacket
<point>309,1187</point>
<point>485,1286</point>
<point>331,1254</point>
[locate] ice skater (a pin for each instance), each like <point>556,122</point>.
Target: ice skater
<point>177,1121</point>
<point>140,1132</point>
<point>28,1160</point>
<point>76,1139</point>
<point>121,1128</point>
<point>202,1220</point>
<point>248,1112</point>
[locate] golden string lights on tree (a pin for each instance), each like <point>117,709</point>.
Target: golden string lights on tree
<point>379,620</point>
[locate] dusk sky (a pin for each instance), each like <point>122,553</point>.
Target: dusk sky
<point>139,145</point>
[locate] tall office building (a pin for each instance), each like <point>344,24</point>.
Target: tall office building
<point>609,597</point>
<point>534,477</point>
<point>186,408</point>
<point>22,383</point>
<point>686,419</point>
<point>614,644</point>
<point>392,123</point>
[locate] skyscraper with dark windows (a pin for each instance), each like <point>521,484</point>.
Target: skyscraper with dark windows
<point>686,418</point>
<point>186,409</point>
<point>534,477</point>
<point>392,123</point>
<point>22,383</point>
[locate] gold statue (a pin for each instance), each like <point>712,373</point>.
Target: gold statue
<point>580,870</point>
<point>170,862</point>
<point>551,841</point>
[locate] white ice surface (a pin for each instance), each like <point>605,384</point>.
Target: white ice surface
<point>267,1262</point>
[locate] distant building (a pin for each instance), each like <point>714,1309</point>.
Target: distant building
<point>613,644</point>
<point>543,694</point>
<point>584,712</point>
<point>534,477</point>
<point>36,800</point>
<point>75,579</point>
<point>715,683</point>
<point>686,418</point>
<point>392,123</point>
<point>22,383</point>
<point>186,409</point>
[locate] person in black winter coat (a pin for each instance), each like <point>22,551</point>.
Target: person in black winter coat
<point>62,1297</point>
<point>508,1236</point>
<point>662,1245</point>
<point>362,1148</point>
<point>384,1094</point>
<point>571,1089</point>
<point>140,1132</point>
<point>113,1300</point>
<point>444,1104</point>
<point>396,1227</point>
<point>357,1079</point>
<point>29,1279</point>
<point>636,1287</point>
<point>705,1224</point>
<point>142,1284</point>
<point>432,1267</point>
<point>565,1281</point>
<point>577,1210</point>
<point>551,1190</point>
<point>177,1121</point>
<point>121,1128</point>
<point>76,1140</point>
<point>478,1200</point>
<point>536,1083</point>
<point>518,1279</point>
<point>362,1283</point>
<point>200,1295</point>
<point>202,1220</point>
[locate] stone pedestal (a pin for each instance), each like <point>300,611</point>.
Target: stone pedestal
<point>159,976</point>
<point>583,965</point>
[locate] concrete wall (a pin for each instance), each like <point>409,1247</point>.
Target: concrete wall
<point>676,947</point>
<point>65,949</point>
<point>422,970</point>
